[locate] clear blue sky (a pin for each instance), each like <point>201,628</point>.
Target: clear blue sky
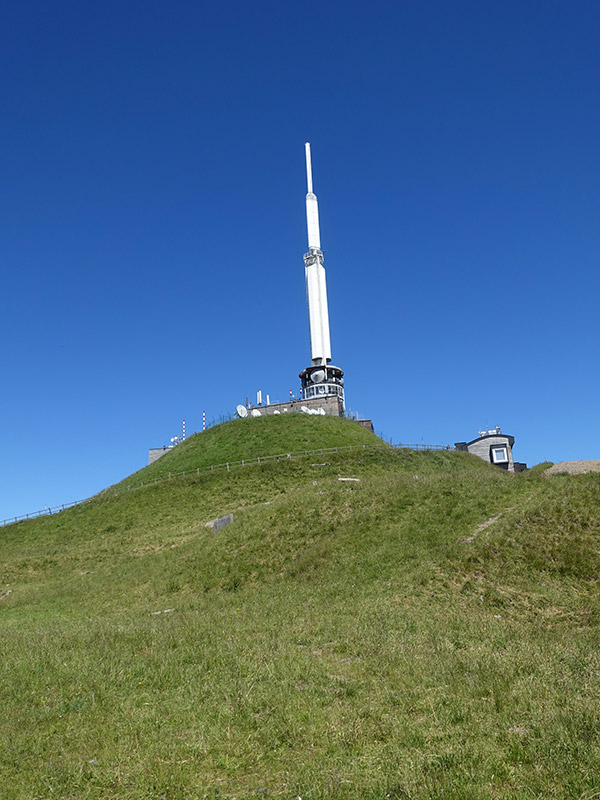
<point>152,222</point>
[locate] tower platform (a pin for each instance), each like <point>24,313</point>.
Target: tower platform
<point>329,405</point>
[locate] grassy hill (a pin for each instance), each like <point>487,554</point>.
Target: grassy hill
<point>427,631</point>
<point>252,437</point>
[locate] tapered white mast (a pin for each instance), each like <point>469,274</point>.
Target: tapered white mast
<point>316,289</point>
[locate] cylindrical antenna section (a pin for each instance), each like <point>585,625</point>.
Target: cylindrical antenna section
<point>312,208</point>
<point>312,222</point>
<point>308,168</point>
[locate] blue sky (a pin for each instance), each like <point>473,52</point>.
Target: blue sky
<point>152,222</point>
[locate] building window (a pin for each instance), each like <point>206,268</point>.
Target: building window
<point>499,455</point>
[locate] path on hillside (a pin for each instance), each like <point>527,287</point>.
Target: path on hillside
<point>492,520</point>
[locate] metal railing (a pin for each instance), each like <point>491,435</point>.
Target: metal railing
<point>225,467</point>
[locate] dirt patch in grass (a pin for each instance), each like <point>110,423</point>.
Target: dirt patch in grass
<point>573,467</point>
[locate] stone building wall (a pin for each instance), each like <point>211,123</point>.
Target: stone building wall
<point>154,453</point>
<point>482,448</point>
<point>330,404</point>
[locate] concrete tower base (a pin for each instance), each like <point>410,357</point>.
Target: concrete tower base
<point>331,405</point>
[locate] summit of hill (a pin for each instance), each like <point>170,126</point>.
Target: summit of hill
<point>256,436</point>
<point>375,623</point>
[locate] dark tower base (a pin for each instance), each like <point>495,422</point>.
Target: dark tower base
<point>323,381</point>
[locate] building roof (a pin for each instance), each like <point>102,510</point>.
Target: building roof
<point>511,439</point>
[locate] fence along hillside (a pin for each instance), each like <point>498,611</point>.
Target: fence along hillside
<point>226,466</point>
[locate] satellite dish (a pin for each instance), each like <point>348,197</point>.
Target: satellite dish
<point>242,411</point>
<point>322,412</point>
<point>255,413</point>
<point>276,412</point>
<point>318,376</point>
<point>305,409</point>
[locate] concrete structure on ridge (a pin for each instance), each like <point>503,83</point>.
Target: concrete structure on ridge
<point>495,447</point>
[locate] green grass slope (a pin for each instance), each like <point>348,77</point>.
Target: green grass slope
<point>429,630</point>
<point>255,436</point>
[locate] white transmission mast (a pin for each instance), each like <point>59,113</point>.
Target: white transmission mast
<point>319,379</point>
<point>316,288</point>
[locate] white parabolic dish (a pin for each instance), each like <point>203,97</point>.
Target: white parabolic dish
<point>242,411</point>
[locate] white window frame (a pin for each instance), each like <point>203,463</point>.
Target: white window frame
<point>495,458</point>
